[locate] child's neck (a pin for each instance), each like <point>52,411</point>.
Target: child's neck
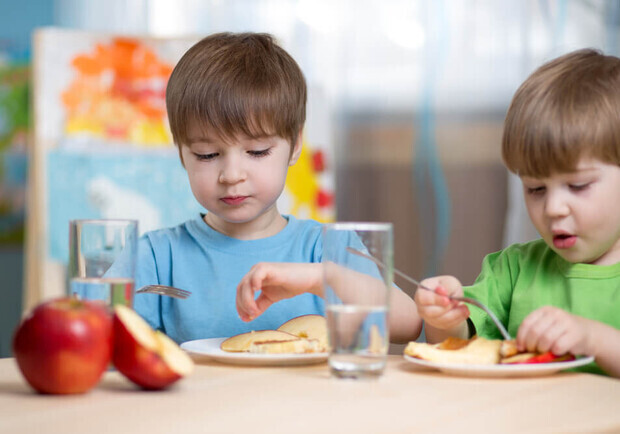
<point>266,225</point>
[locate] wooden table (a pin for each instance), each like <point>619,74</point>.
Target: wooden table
<point>222,398</point>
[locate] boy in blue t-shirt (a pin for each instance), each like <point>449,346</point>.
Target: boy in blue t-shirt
<point>236,105</point>
<point>560,293</point>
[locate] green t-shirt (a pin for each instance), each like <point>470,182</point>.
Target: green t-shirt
<point>523,277</point>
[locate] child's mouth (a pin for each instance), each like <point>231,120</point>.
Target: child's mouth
<point>233,200</point>
<point>564,241</point>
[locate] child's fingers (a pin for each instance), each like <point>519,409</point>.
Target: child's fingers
<point>536,325</point>
<point>443,318</point>
<point>549,337</point>
<point>262,303</point>
<point>563,343</point>
<point>246,290</point>
<point>451,318</point>
<point>260,278</point>
<point>245,303</point>
<point>424,297</point>
<point>443,299</point>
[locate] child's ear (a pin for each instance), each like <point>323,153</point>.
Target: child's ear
<point>296,152</point>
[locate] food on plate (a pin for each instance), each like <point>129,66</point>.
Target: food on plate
<point>297,346</point>
<point>303,334</point>
<point>308,326</point>
<point>511,355</point>
<point>530,358</point>
<point>478,351</point>
<point>64,345</point>
<point>242,343</point>
<point>147,357</point>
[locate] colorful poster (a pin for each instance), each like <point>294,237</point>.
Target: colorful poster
<point>149,187</point>
<point>14,124</point>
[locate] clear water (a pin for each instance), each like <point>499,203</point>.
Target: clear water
<point>358,337</point>
<point>110,291</point>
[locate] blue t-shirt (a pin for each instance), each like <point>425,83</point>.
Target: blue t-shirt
<point>195,257</point>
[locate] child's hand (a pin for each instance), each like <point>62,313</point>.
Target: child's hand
<point>555,330</point>
<point>275,281</point>
<point>438,310</point>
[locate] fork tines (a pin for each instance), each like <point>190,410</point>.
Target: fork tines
<point>165,290</point>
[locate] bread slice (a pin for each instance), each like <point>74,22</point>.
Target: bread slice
<point>281,347</point>
<point>241,343</point>
<point>478,351</point>
<point>308,326</point>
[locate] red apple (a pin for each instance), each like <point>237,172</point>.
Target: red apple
<point>64,346</point>
<point>147,357</point>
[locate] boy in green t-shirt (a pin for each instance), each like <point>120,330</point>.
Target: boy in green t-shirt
<point>560,293</point>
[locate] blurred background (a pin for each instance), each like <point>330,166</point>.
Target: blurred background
<point>407,96</point>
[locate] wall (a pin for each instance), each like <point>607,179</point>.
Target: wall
<point>17,20</point>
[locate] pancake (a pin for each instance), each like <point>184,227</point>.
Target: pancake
<point>242,342</point>
<point>308,326</point>
<point>476,351</point>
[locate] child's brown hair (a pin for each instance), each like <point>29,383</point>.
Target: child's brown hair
<point>567,109</point>
<point>233,84</point>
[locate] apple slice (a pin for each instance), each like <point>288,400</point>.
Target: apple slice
<point>242,343</point>
<point>308,326</point>
<point>147,357</point>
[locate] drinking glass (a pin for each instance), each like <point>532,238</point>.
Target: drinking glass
<point>357,294</point>
<point>102,260</point>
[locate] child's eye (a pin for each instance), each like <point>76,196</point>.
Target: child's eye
<point>535,191</point>
<point>579,187</point>
<point>260,153</point>
<point>206,157</point>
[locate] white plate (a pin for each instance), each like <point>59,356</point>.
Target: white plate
<point>516,370</point>
<point>211,348</point>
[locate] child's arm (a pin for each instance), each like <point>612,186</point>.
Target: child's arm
<point>277,281</point>
<point>552,329</point>
<point>442,317</point>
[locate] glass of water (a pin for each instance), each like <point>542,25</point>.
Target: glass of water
<point>357,293</point>
<point>102,260</point>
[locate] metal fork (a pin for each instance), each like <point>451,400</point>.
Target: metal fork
<point>468,300</point>
<point>164,290</point>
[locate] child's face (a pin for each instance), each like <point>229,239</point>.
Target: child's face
<point>578,213</point>
<point>237,181</point>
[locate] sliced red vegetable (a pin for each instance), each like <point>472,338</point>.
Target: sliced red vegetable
<point>547,357</point>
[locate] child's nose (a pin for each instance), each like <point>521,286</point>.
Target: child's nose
<point>232,172</point>
<point>556,205</point>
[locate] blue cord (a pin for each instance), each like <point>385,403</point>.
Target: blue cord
<point>426,165</point>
